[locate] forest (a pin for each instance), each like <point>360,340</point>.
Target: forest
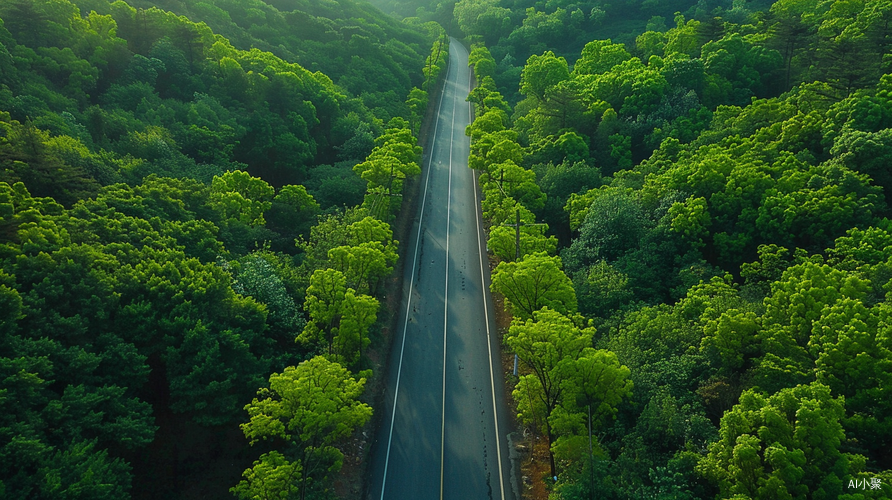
<point>702,291</point>
<point>195,209</point>
<point>196,200</point>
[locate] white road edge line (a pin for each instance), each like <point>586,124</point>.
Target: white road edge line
<point>411,285</point>
<point>492,379</point>
<point>446,298</point>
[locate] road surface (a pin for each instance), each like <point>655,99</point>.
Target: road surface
<point>443,432</point>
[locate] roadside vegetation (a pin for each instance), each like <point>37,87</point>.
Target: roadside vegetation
<point>194,236</point>
<point>688,204</point>
<point>701,296</point>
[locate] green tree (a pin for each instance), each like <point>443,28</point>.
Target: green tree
<point>614,225</point>
<point>536,281</point>
<point>549,344</point>
<point>311,406</point>
<point>795,304</point>
<point>599,56</point>
<point>325,298</point>
<point>542,73</point>
<point>259,279</point>
<point>502,241</point>
<point>417,103</point>
<point>358,313</point>
<point>482,61</point>
<point>329,232</point>
<point>601,289</point>
<point>480,17</point>
<point>507,179</point>
<point>364,264</point>
<point>783,445</point>
<point>691,219</point>
<point>594,390</point>
<point>81,472</point>
<point>272,477</point>
<point>732,339</point>
<point>292,212</point>
<point>240,196</point>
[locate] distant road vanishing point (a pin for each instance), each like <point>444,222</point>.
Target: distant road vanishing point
<point>444,425</point>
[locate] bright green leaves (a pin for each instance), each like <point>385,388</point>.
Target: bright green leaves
<point>30,221</point>
<point>394,159</point>
<point>740,180</point>
<point>534,282</point>
<point>797,300</point>
<point>506,179</point>
<point>325,297</point>
<point>784,445</point>
<point>568,376</point>
<point>486,97</point>
<point>599,56</point>
<point>823,203</point>
<point>630,87</point>
<point>731,338</point>
<point>329,232</point>
<point>371,230</point>
<point>596,384</point>
<point>502,241</point>
<point>436,61</point>
<point>600,381</point>
<point>238,195</point>
<point>311,406</point>
<point>363,264</point>
<point>485,18</point>
<point>482,61</point>
<point>751,195</point>
<point>339,317</point>
<point>489,122</point>
<point>546,341</point>
<point>358,313</point>
<point>417,103</point>
<point>369,254</point>
<point>748,67</point>
<point>844,343</point>
<point>359,250</point>
<point>272,477</point>
<point>691,219</point>
<point>542,73</point>
<point>820,323</point>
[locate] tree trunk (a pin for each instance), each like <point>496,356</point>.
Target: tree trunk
<point>550,453</point>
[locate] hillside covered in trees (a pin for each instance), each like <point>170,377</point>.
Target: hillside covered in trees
<point>195,209</point>
<point>195,202</point>
<point>703,291</point>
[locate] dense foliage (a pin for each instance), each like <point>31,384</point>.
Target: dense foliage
<point>186,219</point>
<point>366,53</point>
<point>162,94</point>
<point>719,191</point>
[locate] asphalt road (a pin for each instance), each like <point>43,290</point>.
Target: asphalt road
<point>443,434</point>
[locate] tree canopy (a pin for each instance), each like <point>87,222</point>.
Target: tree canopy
<point>715,181</point>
